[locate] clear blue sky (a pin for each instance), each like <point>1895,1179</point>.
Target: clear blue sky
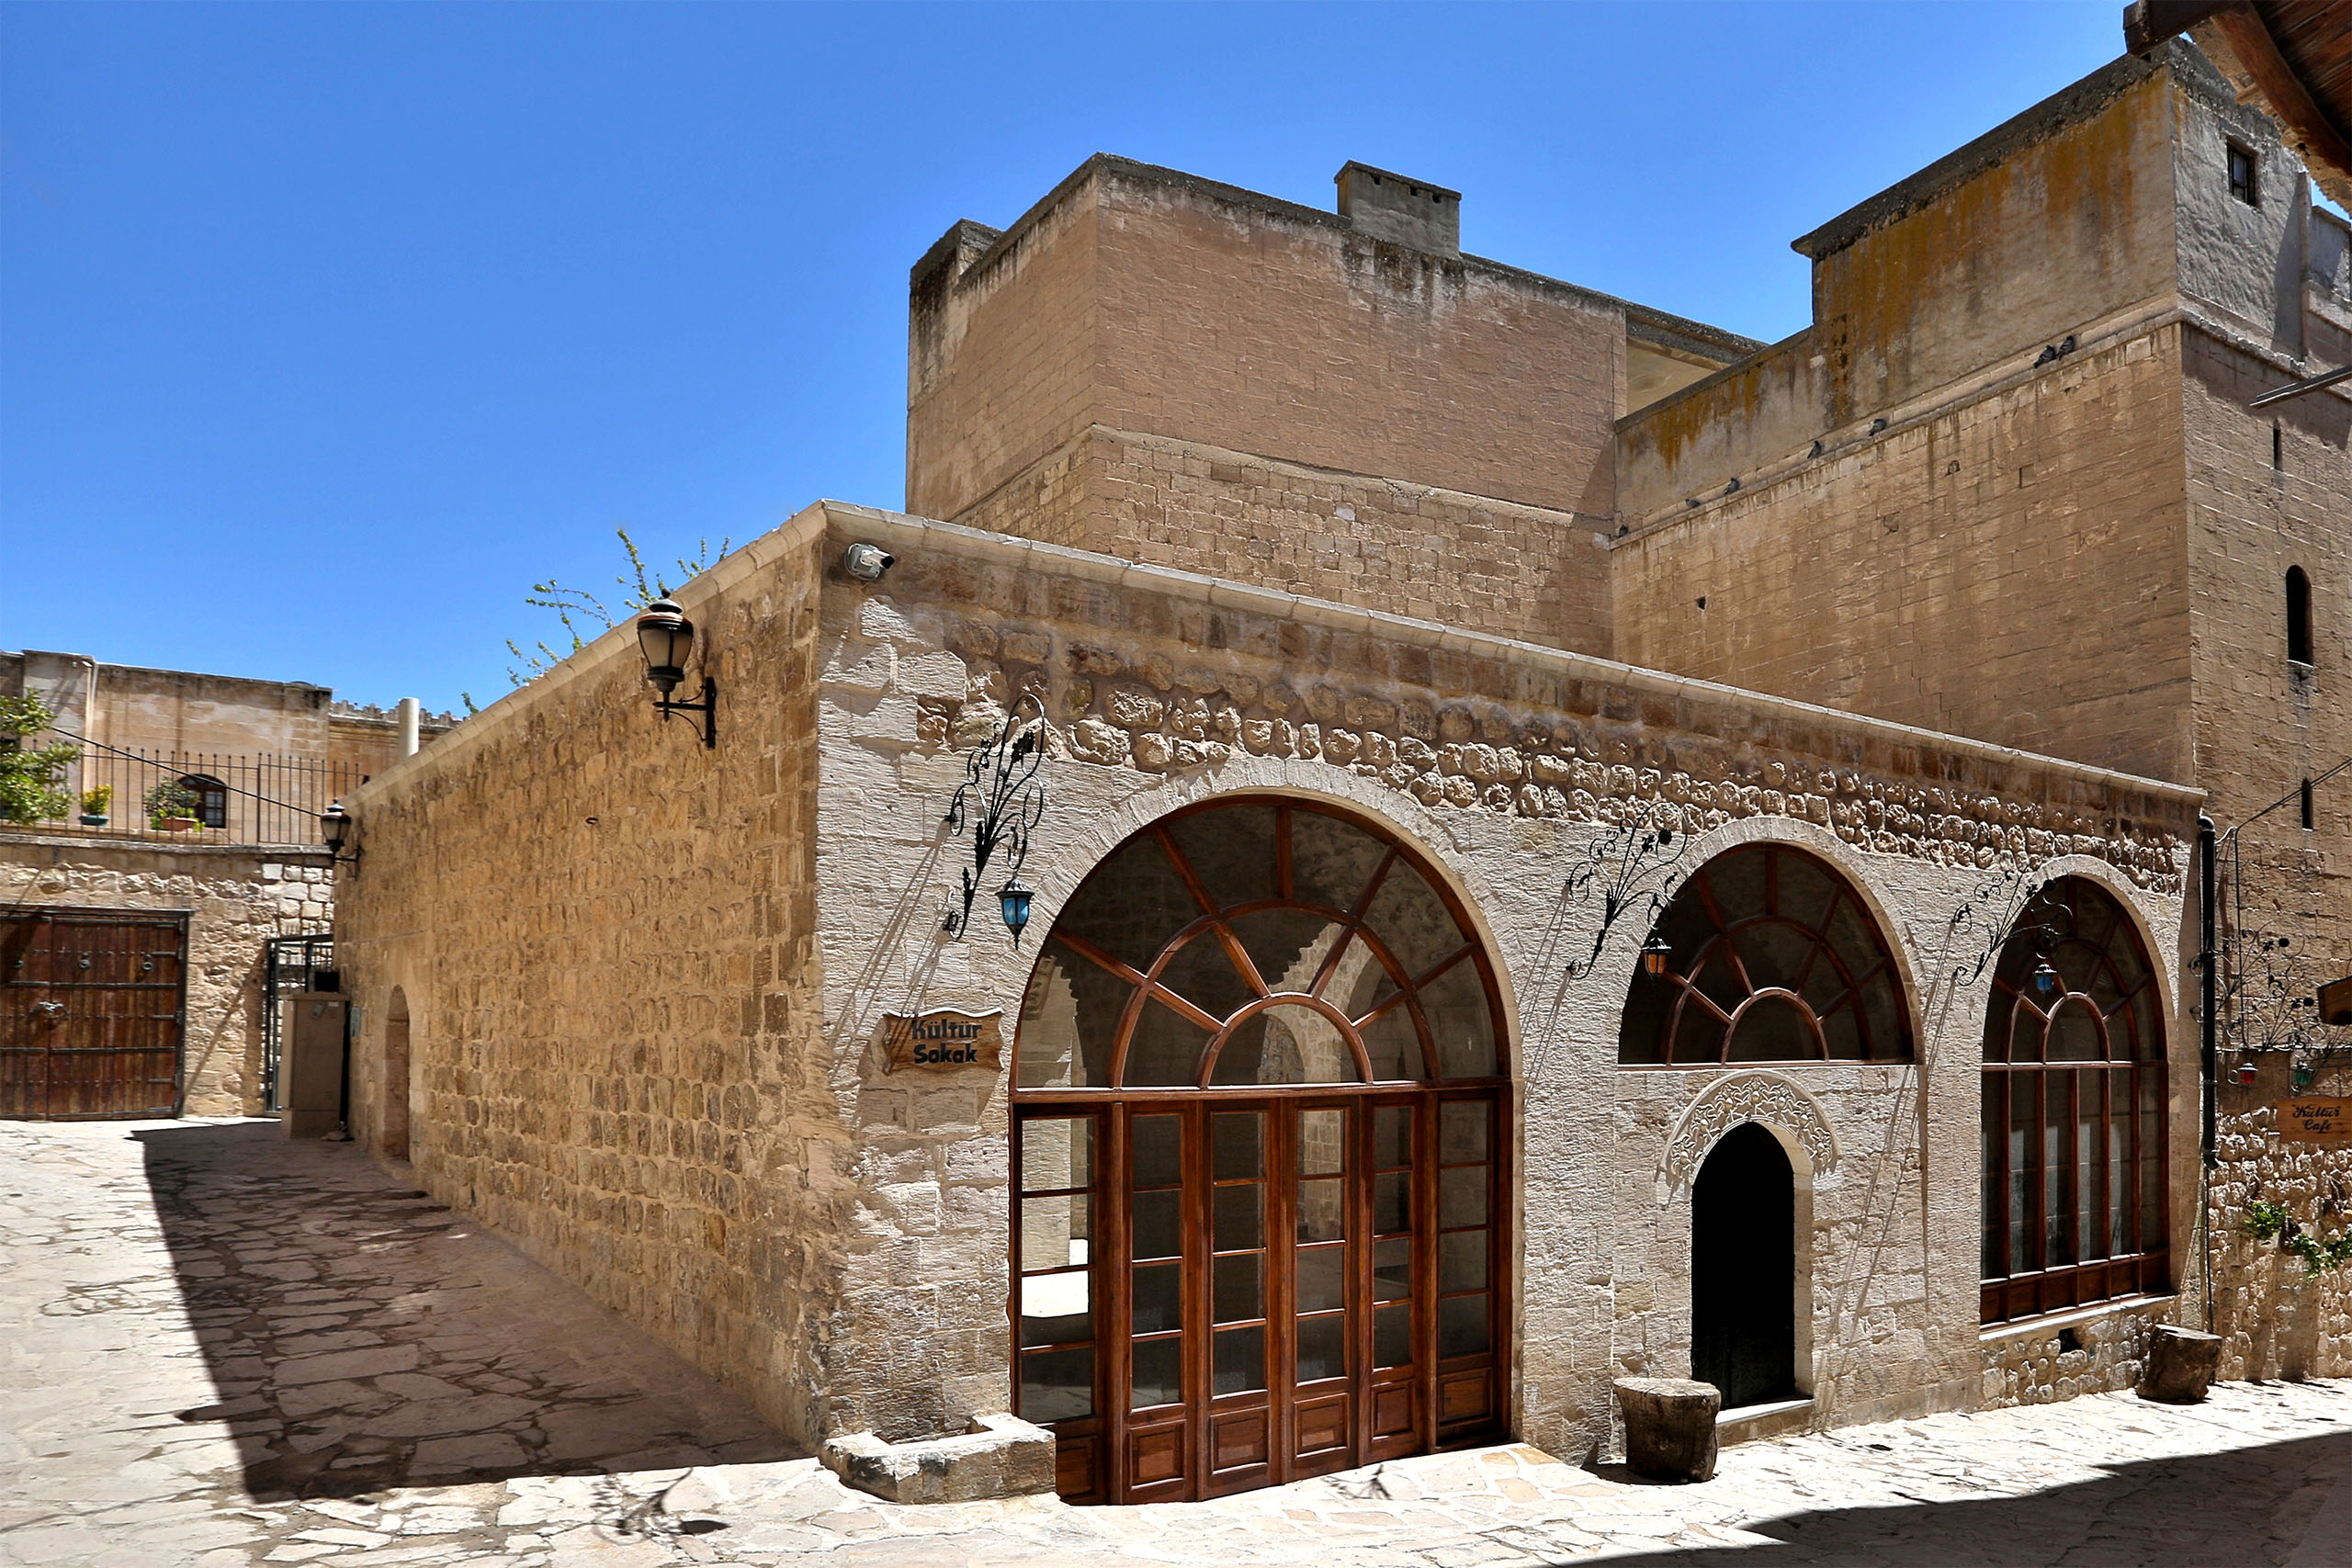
<point>326,329</point>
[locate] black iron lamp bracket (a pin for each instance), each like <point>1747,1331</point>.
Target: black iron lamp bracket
<point>1000,801</point>
<point>706,704</point>
<point>1632,869</point>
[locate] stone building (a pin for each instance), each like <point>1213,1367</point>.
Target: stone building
<point>137,933</point>
<point>1505,915</point>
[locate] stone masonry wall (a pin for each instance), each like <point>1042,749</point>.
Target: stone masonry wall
<point>1466,560</point>
<point>236,898</point>
<point>605,934</point>
<point>2262,727</point>
<point>1509,766</point>
<point>1157,367</point>
<point>2010,567</point>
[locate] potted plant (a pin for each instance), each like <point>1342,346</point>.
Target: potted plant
<point>94,802</point>
<point>172,807</point>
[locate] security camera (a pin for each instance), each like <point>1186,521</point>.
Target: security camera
<point>867,562</point>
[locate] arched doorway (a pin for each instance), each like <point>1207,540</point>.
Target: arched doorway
<point>1258,1154</point>
<point>393,1134</point>
<point>1742,1269</point>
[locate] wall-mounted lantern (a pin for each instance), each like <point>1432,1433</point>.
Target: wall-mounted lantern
<point>1655,952</point>
<point>334,827</point>
<point>1001,799</point>
<point>667,639</point>
<point>1013,902</point>
<point>2045,978</point>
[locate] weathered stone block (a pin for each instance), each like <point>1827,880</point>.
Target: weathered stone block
<point>1670,1426</point>
<point>1001,1456</point>
<point>2181,1363</point>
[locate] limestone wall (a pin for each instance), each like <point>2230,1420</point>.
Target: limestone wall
<point>237,899</point>
<point>647,982</point>
<point>1507,766</point>
<point>2011,567</point>
<point>2262,727</point>
<point>1174,371</point>
<point>603,934</point>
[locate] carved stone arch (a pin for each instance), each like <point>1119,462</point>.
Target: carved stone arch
<point>1774,1101</point>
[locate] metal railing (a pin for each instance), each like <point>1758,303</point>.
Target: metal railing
<point>199,797</point>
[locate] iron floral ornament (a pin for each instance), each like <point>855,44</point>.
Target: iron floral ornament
<point>1632,869</point>
<point>1001,799</point>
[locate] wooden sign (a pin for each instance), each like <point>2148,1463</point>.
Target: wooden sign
<point>2305,1119</point>
<point>943,1040</point>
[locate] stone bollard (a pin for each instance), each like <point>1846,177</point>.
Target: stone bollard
<point>2181,1363</point>
<point>1670,1426</point>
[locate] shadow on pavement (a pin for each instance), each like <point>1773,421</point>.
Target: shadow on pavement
<point>2239,1508</point>
<point>361,1335</point>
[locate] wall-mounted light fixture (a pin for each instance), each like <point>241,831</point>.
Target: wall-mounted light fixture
<point>1655,952</point>
<point>2045,978</point>
<point>334,827</point>
<point>667,638</point>
<point>1001,799</point>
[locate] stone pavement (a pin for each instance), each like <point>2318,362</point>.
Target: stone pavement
<point>220,1349</point>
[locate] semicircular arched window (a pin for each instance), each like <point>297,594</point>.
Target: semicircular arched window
<point>1775,959</point>
<point>1254,943</point>
<point>2073,1109</point>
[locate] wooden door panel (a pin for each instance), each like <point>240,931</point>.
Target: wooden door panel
<point>90,1009</point>
<point>1270,1254</point>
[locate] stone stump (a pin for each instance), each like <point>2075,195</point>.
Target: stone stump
<point>1670,1426</point>
<point>2181,1363</point>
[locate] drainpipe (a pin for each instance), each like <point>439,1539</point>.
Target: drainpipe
<point>2208,980</point>
<point>407,727</point>
<point>2207,1027</point>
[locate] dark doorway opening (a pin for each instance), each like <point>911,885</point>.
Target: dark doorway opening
<point>1742,1269</point>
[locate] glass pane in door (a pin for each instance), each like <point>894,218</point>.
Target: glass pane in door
<point>1237,1277</point>
<point>1155,1261</point>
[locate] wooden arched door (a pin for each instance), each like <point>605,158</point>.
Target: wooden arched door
<point>1259,1145</point>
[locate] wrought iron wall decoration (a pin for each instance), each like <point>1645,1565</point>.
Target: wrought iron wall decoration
<point>1631,868</point>
<point>1001,799</point>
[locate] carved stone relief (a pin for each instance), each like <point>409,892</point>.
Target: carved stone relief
<point>1770,1099</point>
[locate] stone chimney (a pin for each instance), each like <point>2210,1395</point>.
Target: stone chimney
<point>1413,213</point>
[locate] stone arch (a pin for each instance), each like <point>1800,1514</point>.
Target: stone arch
<point>1056,868</point>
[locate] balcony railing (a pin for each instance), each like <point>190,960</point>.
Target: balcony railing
<point>196,797</point>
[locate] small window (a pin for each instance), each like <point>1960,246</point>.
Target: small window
<point>2244,177</point>
<point>211,799</point>
<point>2298,615</point>
<point>2311,819</point>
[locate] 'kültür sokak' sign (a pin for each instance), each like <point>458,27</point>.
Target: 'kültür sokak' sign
<point>942,1038</point>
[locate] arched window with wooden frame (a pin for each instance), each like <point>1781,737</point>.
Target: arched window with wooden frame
<point>1259,1151</point>
<point>1774,958</point>
<point>2298,615</point>
<point>2074,1110</point>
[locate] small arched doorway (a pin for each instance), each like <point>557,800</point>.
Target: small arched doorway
<point>393,1136</point>
<point>1742,1269</point>
<point>1259,1139</point>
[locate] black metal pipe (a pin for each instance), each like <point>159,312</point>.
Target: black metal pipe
<point>2207,981</point>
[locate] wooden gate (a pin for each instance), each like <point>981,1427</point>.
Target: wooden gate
<point>92,1003</point>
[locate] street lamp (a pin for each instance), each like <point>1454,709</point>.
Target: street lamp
<point>667,638</point>
<point>334,827</point>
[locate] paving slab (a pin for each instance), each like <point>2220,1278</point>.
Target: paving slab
<point>180,1390</point>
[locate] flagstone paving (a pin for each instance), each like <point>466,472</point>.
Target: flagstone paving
<point>221,1349</point>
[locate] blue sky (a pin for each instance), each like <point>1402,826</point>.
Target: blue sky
<point>325,330</point>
